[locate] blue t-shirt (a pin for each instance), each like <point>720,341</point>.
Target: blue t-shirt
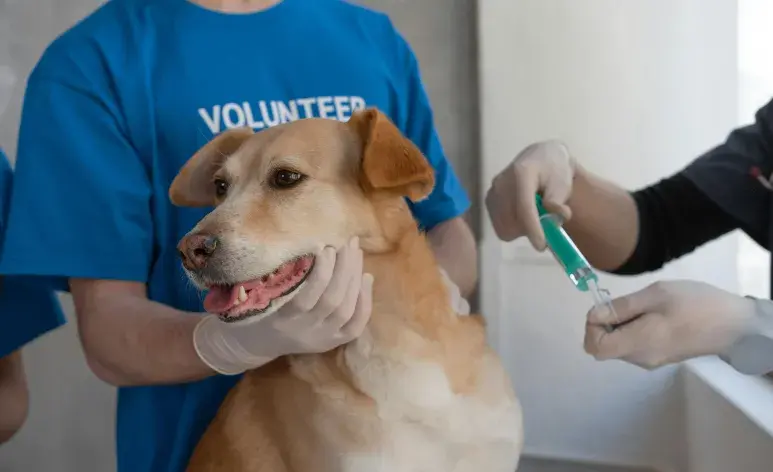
<point>27,308</point>
<point>118,104</point>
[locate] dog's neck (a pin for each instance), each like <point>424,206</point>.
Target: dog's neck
<point>407,281</point>
<point>412,317</point>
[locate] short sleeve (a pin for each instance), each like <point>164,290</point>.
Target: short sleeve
<point>28,309</point>
<point>727,174</point>
<point>448,199</point>
<point>81,197</point>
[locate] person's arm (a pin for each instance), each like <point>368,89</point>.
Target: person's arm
<point>604,223</point>
<point>440,214</point>
<point>81,211</point>
<point>14,397</point>
<point>130,340</point>
<point>455,249</point>
<point>631,233</point>
<point>675,217</point>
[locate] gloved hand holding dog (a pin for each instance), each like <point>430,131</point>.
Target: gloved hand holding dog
<point>332,308</point>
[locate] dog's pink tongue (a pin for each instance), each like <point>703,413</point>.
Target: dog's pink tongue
<point>221,299</point>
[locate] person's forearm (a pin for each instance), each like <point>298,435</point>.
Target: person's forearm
<point>144,343</point>
<point>633,233</point>
<point>456,251</point>
<point>604,222</point>
<point>14,397</point>
<point>130,340</point>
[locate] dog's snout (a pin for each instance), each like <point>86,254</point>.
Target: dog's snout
<point>196,249</point>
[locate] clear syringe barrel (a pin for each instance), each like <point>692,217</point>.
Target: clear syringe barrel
<point>564,250</point>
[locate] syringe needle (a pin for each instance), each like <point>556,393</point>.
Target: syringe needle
<point>603,303</point>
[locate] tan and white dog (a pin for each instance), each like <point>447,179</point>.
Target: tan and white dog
<point>420,390</point>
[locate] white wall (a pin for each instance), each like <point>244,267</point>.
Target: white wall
<point>637,89</point>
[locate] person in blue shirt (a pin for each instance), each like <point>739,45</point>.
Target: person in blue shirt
<point>116,106</point>
<point>27,310</point>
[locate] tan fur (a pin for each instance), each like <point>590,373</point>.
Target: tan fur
<point>420,390</point>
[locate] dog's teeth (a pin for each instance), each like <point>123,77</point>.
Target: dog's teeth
<point>242,294</point>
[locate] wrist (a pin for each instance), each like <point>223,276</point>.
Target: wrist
<point>219,347</point>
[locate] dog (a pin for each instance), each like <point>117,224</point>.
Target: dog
<point>420,390</point>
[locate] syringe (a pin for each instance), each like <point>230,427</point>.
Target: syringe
<point>573,262</point>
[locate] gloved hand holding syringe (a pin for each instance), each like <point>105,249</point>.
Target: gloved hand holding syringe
<point>573,262</point>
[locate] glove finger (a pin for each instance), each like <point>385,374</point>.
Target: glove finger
<point>623,342</point>
<point>316,283</point>
<point>359,320</point>
<point>525,206</point>
<point>345,309</point>
<point>346,271</point>
<point>453,289</point>
<point>627,307</point>
<point>556,192</point>
<point>458,303</point>
<point>555,203</point>
<point>463,307</point>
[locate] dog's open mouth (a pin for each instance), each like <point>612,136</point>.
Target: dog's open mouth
<point>245,299</point>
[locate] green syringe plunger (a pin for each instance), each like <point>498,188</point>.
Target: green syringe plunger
<point>564,250</point>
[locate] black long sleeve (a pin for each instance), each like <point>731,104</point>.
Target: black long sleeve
<point>675,217</point>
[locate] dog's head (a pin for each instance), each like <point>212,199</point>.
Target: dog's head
<point>283,194</point>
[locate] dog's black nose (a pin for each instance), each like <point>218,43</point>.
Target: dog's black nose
<point>196,249</point>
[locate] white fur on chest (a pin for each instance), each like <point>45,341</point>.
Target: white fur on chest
<point>426,427</point>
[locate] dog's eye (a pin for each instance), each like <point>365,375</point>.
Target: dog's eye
<point>285,178</point>
<point>221,187</point>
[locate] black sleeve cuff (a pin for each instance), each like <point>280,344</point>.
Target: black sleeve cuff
<point>675,217</point>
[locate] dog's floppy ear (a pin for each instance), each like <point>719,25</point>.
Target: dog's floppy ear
<point>193,186</point>
<point>390,161</point>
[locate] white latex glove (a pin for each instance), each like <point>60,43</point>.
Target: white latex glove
<point>332,308</point>
<point>460,305</point>
<point>546,168</point>
<point>669,322</point>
